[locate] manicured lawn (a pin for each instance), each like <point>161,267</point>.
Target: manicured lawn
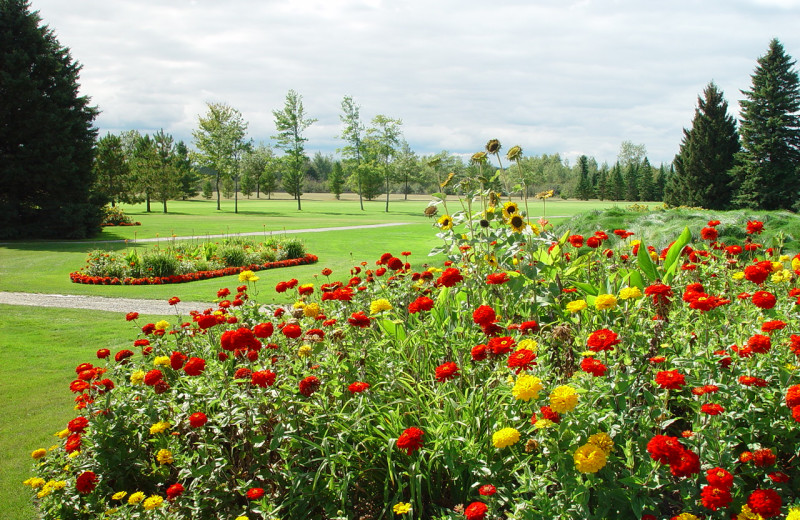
<point>39,349</point>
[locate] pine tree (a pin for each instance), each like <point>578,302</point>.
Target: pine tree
<point>632,182</point>
<point>584,187</point>
<point>46,134</point>
<point>646,185</point>
<point>617,191</point>
<point>111,168</point>
<point>768,166</point>
<point>706,155</point>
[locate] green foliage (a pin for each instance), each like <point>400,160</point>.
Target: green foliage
<point>114,216</point>
<point>336,180</point>
<point>208,190</point>
<point>291,122</point>
<point>706,156</point>
<point>47,135</point>
<point>157,263</point>
<point>767,175</point>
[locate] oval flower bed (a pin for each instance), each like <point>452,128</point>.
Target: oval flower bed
<point>78,277</point>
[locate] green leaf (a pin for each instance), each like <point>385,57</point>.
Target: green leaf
<point>394,329</point>
<point>646,263</point>
<point>587,288</point>
<point>674,253</point>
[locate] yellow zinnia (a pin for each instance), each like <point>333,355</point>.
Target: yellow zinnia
<point>304,351</point>
<point>161,361</point>
<point>563,399</point>
<point>248,276</point>
<point>312,310</point>
<point>528,344</point>
<point>688,516</point>
<point>602,441</point>
<point>401,508</point>
<point>34,482</point>
<point>380,305</point>
<point>137,378</point>
<point>164,457</point>
<point>505,437</point>
<point>526,387</point>
<point>136,498</point>
<point>794,514</point>
<point>605,302</point>
<point>38,454</point>
<point>153,502</point>
<point>576,306</point>
<point>541,424</point>
<point>160,427</point>
<point>63,434</point>
<point>629,293</point>
<point>119,495</point>
<point>162,325</point>
<point>589,458</point>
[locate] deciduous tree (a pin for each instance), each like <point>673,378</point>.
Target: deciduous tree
<point>291,123</point>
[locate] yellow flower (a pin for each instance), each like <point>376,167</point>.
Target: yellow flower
<point>628,293</point>
<point>248,276</point>
<point>153,502</point>
<point>738,275</point>
<point>119,495</point>
<point>379,305</point>
<point>605,301</point>
<point>164,457</point>
<point>63,434</point>
<point>137,378</point>
<point>517,223</point>
<point>563,399</point>
<point>161,361</point>
<point>513,153</point>
<point>38,454</point>
<point>782,276</point>
<point>544,194</point>
<point>241,517</point>
<point>34,482</point>
<point>491,260</point>
<point>576,306</point>
<point>534,228</point>
<point>653,256</point>
<point>794,514</point>
<point>401,508</point>
<point>304,351</point>
<point>526,387</point>
<point>602,441</point>
<point>311,310</point>
<point>687,516</point>
<point>748,514</point>
<point>160,427</point>
<point>136,498</point>
<point>445,222</point>
<point>795,263</point>
<point>777,266</point>
<point>529,344</point>
<point>162,325</point>
<point>505,437</point>
<point>540,424</point>
<point>74,454</point>
<point>635,243</point>
<point>589,458</point>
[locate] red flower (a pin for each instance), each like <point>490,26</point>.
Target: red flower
<point>576,240</point>
<point>623,234</point>
<point>779,477</point>
<point>410,440</point>
<point>176,360</point>
<point>103,353</point>
<point>131,316</point>
<point>709,233</point>
<point>206,321</point>
<point>78,424</point>
<point>357,387</point>
<point>265,378</point>
<point>359,319</point>
<point>501,345</point>
<point>602,339</point>
<point>712,409</point>
<point>263,330</point>
<point>764,299</point>
<point>497,278</point>
<point>763,458</point>
<point>479,352</point>
<point>174,491</point>
<point>765,502</point>
<point>422,303</point>
<point>759,343</point>
<point>73,443</point>
<point>484,315</point>
<point>174,300</point>
<point>670,379</point>
<point>446,371</point>
<point>449,277</point>
<point>593,242</point>
<point>255,493</point>
<point>86,482</point>
<point>664,448</point>
<point>593,366</point>
<point>714,223</point>
<point>198,420</point>
<point>522,359</point>
<point>394,264</point>
<point>685,464</point>
<point>752,381</point>
<point>754,227</point>
<point>487,490</point>
<point>547,413</point>
<point>223,292</point>
<point>757,273</point>
<point>793,396</point>
<point>528,326</point>
<point>195,366</point>
<point>309,385</point>
<point>292,330</point>
<point>659,292</point>
<point>719,477</point>
<point>714,497</point>
<point>243,373</point>
<point>476,511</point>
<point>122,355</point>
<point>772,325</point>
<point>153,377</point>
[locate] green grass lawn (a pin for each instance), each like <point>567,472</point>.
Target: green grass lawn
<point>39,349</point>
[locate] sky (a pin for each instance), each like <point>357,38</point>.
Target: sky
<point>572,77</point>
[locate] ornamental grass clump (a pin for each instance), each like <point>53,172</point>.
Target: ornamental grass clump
<point>389,392</point>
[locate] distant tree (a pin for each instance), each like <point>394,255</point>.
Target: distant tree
<point>47,135</point>
<point>320,166</point>
<point>602,182</point>
<point>111,168</point>
<point>584,186</point>
<point>706,156</point>
<point>227,187</point>
<point>646,181</point>
<point>253,164</point>
<point>382,140</point>
<point>145,164</point>
<point>269,179</point>
<point>219,139</point>
<point>188,178</point>
<point>208,190</point>
<point>166,182</point>
<point>353,135</point>
<point>336,180</point>
<point>291,122</point>
<point>767,174</point>
<point>661,182</point>
<point>369,174</point>
<point>631,192</point>
<point>617,191</point>
<point>406,167</point>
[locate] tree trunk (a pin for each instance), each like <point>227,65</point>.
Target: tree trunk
<point>217,191</point>
<point>165,205</point>
<point>147,199</point>
<point>297,196</point>
<point>236,196</point>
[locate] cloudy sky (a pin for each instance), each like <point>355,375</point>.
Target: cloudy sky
<point>553,76</point>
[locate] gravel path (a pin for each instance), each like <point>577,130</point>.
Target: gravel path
<point>100,303</point>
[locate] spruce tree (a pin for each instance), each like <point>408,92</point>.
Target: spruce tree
<point>706,155</point>
<point>46,133</point>
<point>767,174</point>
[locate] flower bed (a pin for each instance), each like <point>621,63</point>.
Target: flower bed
<point>78,277</point>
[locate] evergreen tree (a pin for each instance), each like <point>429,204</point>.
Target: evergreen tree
<point>646,185</point>
<point>661,181</point>
<point>767,174</point>
<point>706,155</point>
<point>602,182</point>
<point>336,179</point>
<point>631,190</point>
<point>111,168</point>
<point>617,191</point>
<point>188,178</point>
<point>166,183</point>
<point>47,135</point>
<point>583,178</point>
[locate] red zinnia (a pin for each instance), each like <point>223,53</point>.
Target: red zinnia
<point>198,420</point>
<point>73,443</point>
<point>292,330</point>
<point>309,385</point>
<point>174,300</point>
<point>759,343</point>
<point>712,409</point>
<point>670,379</point>
<point>764,299</point>
<point>174,491</point>
<point>714,497</point>
<point>576,240</point>
<point>659,292</point>
<point>86,482</point>
<point>497,278</point>
<point>410,440</point>
<point>765,502</point>
<point>719,477</point>
<point>602,339</point>
<point>528,326</point>
<point>103,353</point>
<point>479,352</point>
<point>793,396</point>
<point>664,448</point>
<point>709,233</point>
<point>487,490</point>
<point>423,303</point>
<point>476,511</point>
<point>263,330</point>
<point>359,319</point>
<point>772,325</point>
<point>78,424</point>
<point>255,493</point>
<point>593,366</point>
<point>449,277</point>
<point>522,359</point>
<point>265,378</point>
<point>176,360</point>
<point>757,273</point>
<point>763,458</point>
<point>686,463</point>
<point>501,345</point>
<point>754,227</point>
<point>357,387</point>
<point>446,371</point>
<point>131,316</point>
<point>122,355</point>
<point>195,366</point>
<point>484,315</point>
<point>153,377</point>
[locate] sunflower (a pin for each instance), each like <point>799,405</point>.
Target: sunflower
<point>517,223</point>
<point>445,223</point>
<point>478,158</point>
<point>510,209</point>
